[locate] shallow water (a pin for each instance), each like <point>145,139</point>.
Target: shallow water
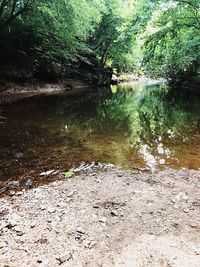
<point>132,125</point>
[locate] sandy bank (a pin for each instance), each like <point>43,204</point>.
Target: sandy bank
<point>107,219</point>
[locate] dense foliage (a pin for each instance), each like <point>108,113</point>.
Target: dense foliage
<point>158,37</point>
<point>46,29</point>
<point>172,41</point>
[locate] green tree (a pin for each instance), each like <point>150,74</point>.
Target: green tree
<point>171,48</point>
<point>12,9</point>
<point>44,32</point>
<point>112,40</point>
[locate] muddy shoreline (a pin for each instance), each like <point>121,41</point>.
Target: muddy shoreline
<point>112,218</point>
<point>11,92</point>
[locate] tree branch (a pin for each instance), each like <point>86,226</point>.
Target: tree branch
<point>13,15</point>
<point>2,6</point>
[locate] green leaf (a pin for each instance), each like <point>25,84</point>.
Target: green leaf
<point>68,174</point>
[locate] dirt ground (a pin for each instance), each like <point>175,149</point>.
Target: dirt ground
<point>115,218</point>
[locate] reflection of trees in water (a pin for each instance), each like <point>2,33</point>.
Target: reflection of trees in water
<point>147,123</point>
<point>154,119</point>
<point>144,114</point>
<point>152,112</point>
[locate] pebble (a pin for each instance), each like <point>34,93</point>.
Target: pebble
<point>114,213</point>
<point>12,223</point>
<point>193,225</point>
<point>103,219</point>
<point>186,210</point>
<point>33,224</point>
<point>2,244</point>
<point>89,244</point>
<point>19,230</point>
<point>51,210</point>
<point>93,174</point>
<point>29,183</point>
<point>13,184</point>
<point>61,204</point>
<point>78,237</point>
<point>63,258</point>
<point>12,193</point>
<point>20,233</point>
<point>19,155</point>
<point>70,194</point>
<point>80,230</point>
<point>43,262</point>
<point>19,193</point>
<point>57,218</point>
<point>3,224</point>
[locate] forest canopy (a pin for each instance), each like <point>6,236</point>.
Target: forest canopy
<point>158,38</point>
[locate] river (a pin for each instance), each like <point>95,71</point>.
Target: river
<point>134,125</point>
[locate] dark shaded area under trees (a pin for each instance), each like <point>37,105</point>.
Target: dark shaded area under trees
<point>87,40</point>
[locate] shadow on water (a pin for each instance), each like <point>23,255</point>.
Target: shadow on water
<point>133,125</point>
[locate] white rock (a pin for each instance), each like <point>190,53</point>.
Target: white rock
<point>55,172</point>
<point>47,173</point>
<point>70,194</point>
<point>186,210</point>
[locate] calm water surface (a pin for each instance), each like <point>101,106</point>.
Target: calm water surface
<point>133,125</point>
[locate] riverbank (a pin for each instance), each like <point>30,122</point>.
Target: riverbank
<point>132,78</point>
<point>11,92</point>
<point>17,82</point>
<point>112,218</point>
